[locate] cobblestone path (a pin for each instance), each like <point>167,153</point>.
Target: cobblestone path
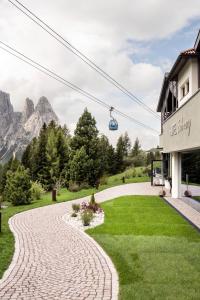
<point>54,260</point>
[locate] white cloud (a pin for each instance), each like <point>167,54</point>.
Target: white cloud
<point>100,29</point>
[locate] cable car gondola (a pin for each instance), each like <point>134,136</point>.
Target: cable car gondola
<point>113,125</point>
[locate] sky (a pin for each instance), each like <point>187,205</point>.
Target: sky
<point>135,41</point>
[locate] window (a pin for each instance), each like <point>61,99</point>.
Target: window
<point>183,91</point>
<point>185,88</point>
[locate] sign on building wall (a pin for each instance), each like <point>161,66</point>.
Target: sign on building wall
<point>182,130</point>
<point>181,126</point>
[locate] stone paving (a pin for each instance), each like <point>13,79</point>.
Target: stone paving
<point>186,210</point>
<point>54,260</point>
<point>187,206</point>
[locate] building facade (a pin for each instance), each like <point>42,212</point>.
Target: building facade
<point>179,105</point>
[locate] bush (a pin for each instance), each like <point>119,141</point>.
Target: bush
<point>104,180</point>
<point>86,217</point>
<point>59,184</point>
<point>18,187</point>
<point>134,174</point>
<point>76,207</point>
<point>162,193</point>
<point>36,190</point>
<point>187,194</point>
<point>74,215</point>
<point>73,187</point>
<point>127,175</point>
<point>84,185</point>
<point>92,205</point>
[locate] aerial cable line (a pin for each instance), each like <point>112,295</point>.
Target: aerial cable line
<point>62,80</point>
<point>79,54</point>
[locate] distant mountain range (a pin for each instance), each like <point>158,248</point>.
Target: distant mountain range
<point>17,129</point>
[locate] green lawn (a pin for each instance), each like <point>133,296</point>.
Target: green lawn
<point>6,237</point>
<point>156,252</point>
<point>197,198</point>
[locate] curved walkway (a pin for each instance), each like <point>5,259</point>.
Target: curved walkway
<point>54,260</point>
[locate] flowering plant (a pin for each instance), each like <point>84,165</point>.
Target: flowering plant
<point>94,207</point>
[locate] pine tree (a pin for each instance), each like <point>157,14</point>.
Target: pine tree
<point>127,144</point>
<point>112,161</point>
<point>136,148</point>
<point>120,154</point>
<point>66,131</point>
<point>80,166</point>
<point>63,150</point>
<point>42,171</point>
<point>27,157</point>
<point>103,153</point>
<point>52,159</point>
<point>12,165</point>
<point>150,157</point>
<point>86,135</point>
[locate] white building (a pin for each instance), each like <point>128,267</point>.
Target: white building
<point>179,104</point>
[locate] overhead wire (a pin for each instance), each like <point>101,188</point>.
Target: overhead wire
<point>79,54</point>
<point>62,80</point>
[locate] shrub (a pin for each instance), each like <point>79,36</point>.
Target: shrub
<point>84,185</point>
<point>146,171</point>
<point>127,175</point>
<point>93,206</point>
<point>162,193</point>
<point>104,180</point>
<point>59,184</point>
<point>76,207</point>
<point>74,215</point>
<point>134,173</point>
<point>18,187</point>
<point>187,193</point>
<point>86,217</point>
<point>73,187</point>
<point>36,190</point>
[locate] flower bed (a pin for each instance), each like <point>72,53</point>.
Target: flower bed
<point>85,215</point>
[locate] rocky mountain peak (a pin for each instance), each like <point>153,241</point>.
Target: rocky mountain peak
<point>5,104</point>
<point>43,106</point>
<point>17,129</point>
<point>28,109</point>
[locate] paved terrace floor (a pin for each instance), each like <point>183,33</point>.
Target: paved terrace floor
<point>54,260</point>
<point>188,207</point>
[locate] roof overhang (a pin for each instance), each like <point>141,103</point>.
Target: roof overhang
<point>162,93</point>
<point>197,43</point>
